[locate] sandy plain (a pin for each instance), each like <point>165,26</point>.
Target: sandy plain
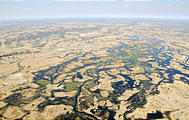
<point>117,69</point>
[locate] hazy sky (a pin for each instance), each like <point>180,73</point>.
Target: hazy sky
<point>16,9</point>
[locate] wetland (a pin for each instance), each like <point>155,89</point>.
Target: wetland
<point>113,69</point>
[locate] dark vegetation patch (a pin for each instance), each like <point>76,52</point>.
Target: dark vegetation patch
<point>157,115</point>
<point>75,116</point>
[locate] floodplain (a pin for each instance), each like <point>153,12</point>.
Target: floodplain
<point>94,69</point>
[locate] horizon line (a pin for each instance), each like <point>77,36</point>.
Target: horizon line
<point>97,17</point>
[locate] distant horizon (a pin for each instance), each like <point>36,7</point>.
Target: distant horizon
<point>92,18</point>
<point>58,9</point>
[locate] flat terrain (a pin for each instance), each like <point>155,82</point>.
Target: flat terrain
<point>94,69</point>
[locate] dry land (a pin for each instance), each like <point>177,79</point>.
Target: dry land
<point>112,69</point>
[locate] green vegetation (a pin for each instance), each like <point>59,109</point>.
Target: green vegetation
<point>43,82</point>
<point>134,57</point>
<point>90,84</point>
<point>72,86</point>
<point>125,60</point>
<point>134,64</point>
<point>124,54</point>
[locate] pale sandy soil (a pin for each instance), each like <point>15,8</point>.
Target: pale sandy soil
<point>31,48</point>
